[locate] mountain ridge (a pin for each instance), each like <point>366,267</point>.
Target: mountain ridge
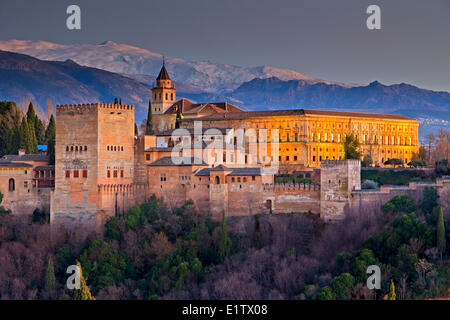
<point>128,59</point>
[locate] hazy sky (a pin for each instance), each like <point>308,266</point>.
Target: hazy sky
<point>322,38</point>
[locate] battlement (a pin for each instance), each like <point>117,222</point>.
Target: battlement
<point>301,187</point>
<point>334,163</point>
<point>91,107</point>
<point>112,188</point>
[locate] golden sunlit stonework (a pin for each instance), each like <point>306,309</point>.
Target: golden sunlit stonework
<point>102,169</point>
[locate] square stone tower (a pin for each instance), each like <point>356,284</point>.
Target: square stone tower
<point>337,180</point>
<point>94,145</point>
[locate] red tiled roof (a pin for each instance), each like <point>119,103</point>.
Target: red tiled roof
<point>299,112</point>
<point>188,107</point>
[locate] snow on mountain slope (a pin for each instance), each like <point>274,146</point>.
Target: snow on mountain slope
<point>127,59</point>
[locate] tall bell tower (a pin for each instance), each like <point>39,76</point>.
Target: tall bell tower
<point>164,92</point>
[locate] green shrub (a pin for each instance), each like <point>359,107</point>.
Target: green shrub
<point>369,184</point>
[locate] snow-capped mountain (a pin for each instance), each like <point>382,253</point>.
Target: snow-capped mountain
<point>126,59</point>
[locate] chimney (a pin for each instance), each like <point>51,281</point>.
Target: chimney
<point>21,152</point>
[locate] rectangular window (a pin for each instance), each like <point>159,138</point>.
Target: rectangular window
<point>67,174</point>
<point>121,173</point>
<point>75,173</point>
<point>314,158</point>
<point>147,156</point>
<point>84,173</point>
<point>108,174</point>
<point>115,173</point>
<point>295,158</point>
<point>296,137</point>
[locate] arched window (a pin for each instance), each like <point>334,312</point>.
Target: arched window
<point>85,148</point>
<point>217,180</point>
<point>67,148</point>
<point>12,184</point>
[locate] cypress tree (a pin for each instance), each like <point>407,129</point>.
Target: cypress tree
<point>224,240</point>
<point>50,280</point>
<point>441,241</point>
<point>40,131</point>
<point>116,101</point>
<point>149,126</point>
<point>83,293</point>
<point>120,102</point>
<point>26,138</point>
<point>391,295</point>
<point>179,117</point>
<point>50,137</point>
<point>136,131</point>
<point>36,127</point>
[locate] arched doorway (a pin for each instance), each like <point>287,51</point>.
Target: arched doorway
<point>269,205</point>
<point>12,184</point>
<point>217,180</point>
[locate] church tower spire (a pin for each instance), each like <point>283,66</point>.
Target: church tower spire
<point>164,92</point>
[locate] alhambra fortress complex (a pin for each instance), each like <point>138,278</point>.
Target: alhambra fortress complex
<point>102,169</point>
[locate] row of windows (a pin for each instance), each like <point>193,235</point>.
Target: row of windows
<point>160,96</point>
<point>76,148</point>
<point>320,158</point>
<point>356,127</point>
<point>12,185</point>
<point>114,173</point>
<point>114,148</point>
<point>76,173</point>
<point>365,139</point>
<point>244,179</point>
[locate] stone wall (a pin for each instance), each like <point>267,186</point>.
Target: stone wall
<point>337,180</point>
